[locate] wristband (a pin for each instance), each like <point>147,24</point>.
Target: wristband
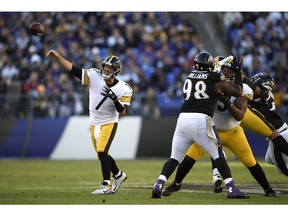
<point>119,106</point>
<point>228,104</point>
<point>238,79</point>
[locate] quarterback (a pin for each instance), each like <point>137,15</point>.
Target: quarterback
<point>108,98</point>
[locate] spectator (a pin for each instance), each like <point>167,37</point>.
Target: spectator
<point>150,105</point>
<point>54,103</point>
<point>10,72</point>
<point>41,103</point>
<point>3,98</point>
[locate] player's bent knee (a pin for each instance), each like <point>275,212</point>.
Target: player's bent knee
<point>102,155</point>
<point>249,163</point>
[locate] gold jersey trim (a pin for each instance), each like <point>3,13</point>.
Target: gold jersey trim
<point>85,79</point>
<point>125,99</point>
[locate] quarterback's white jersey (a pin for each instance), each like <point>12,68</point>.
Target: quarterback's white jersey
<point>102,109</point>
<point>223,119</point>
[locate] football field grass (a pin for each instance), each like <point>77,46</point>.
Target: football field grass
<point>71,182</point>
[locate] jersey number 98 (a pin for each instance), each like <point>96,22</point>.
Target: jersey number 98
<point>198,91</point>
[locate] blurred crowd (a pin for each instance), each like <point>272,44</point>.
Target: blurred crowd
<point>155,48</point>
<point>262,40</point>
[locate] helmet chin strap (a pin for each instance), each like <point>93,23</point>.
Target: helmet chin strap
<point>106,76</point>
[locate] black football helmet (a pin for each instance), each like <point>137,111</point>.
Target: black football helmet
<point>204,62</point>
<point>263,80</point>
<point>114,62</point>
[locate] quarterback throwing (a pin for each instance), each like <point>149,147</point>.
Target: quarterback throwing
<point>108,98</point>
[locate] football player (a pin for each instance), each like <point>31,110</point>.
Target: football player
<point>201,90</point>
<point>267,108</point>
<point>227,118</point>
<point>263,105</point>
<point>264,120</point>
<point>108,98</point>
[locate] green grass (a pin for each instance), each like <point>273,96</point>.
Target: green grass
<point>71,182</point>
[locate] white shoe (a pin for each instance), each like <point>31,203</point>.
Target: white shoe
<point>104,189</point>
<point>118,181</point>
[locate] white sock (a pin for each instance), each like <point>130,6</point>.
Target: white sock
<point>226,181</point>
<point>118,174</point>
<point>107,181</point>
<point>215,171</point>
<point>163,178</point>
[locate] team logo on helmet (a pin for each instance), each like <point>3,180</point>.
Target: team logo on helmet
<point>204,62</point>
<point>263,80</point>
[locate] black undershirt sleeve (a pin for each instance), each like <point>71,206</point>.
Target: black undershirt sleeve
<point>76,71</point>
<point>238,79</point>
<point>250,83</point>
<point>253,86</point>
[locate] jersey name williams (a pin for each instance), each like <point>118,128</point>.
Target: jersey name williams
<point>198,75</point>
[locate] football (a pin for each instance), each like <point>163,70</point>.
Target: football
<point>36,29</point>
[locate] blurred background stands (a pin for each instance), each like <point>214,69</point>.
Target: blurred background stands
<point>156,49</point>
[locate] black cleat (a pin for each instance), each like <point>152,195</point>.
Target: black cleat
<point>156,192</point>
<point>270,193</point>
<point>217,186</point>
<point>173,187</point>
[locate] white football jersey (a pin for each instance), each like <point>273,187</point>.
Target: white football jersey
<point>102,109</point>
<point>223,119</point>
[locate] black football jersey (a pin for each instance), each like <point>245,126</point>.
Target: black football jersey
<point>200,95</point>
<point>268,111</point>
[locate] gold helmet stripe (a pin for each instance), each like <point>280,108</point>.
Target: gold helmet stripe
<point>111,58</point>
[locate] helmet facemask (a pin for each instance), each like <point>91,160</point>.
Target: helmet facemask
<point>228,73</point>
<point>268,85</point>
<point>264,81</point>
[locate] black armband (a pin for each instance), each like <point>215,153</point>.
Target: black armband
<point>238,79</point>
<point>119,106</point>
<point>76,71</point>
<point>228,104</point>
<point>252,85</point>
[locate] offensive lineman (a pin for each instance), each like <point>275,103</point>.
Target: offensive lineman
<point>108,98</point>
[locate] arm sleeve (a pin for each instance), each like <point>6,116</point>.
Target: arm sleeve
<point>76,71</point>
<point>119,106</point>
<point>250,83</point>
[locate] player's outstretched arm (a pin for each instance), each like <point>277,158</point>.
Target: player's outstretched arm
<point>67,65</point>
